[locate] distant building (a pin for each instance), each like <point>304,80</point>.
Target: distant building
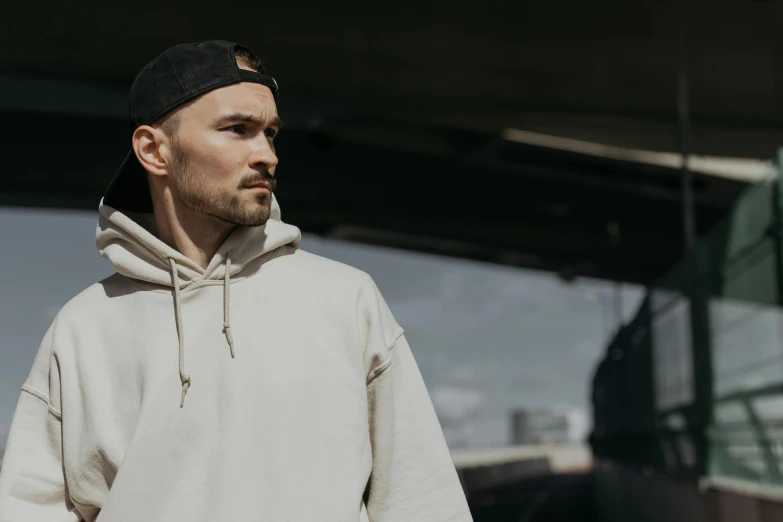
<point>538,427</point>
<point>520,428</point>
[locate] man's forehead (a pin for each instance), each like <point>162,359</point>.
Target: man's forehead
<point>245,97</point>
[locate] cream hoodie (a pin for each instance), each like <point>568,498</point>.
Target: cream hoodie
<point>302,401</point>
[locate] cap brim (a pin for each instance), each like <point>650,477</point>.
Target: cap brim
<point>129,189</point>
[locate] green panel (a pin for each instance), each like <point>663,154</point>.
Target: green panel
<point>750,220</point>
<point>753,276</point>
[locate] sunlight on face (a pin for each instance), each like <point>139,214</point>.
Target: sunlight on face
<point>224,145</point>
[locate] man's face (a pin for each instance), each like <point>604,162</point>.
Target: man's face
<point>223,154</point>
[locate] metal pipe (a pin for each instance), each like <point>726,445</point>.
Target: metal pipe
<point>683,112</point>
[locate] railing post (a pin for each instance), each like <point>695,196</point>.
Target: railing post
<point>702,361</point>
<point>777,232</point>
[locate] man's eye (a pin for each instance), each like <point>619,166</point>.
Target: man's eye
<point>270,133</point>
<point>238,129</point>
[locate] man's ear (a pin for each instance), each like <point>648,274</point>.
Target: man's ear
<point>150,145</point>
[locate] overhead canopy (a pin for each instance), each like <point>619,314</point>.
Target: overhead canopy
<point>601,71</point>
<point>398,113</point>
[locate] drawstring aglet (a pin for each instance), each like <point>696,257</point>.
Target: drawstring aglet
<point>229,337</point>
<point>185,386</point>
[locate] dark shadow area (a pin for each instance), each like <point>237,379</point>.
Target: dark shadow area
<point>545,498</point>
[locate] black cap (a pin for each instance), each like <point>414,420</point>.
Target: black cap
<point>178,75</point>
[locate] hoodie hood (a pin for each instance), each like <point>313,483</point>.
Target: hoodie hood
<point>128,241</point>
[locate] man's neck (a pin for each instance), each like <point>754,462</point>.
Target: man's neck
<point>197,236</point>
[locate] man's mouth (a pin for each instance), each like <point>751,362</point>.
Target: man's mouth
<point>260,187</point>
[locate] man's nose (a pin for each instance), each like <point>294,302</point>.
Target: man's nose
<point>264,157</point>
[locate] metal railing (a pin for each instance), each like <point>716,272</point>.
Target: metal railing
<point>693,385</point>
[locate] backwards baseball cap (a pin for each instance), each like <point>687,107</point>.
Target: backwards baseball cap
<point>178,75</point>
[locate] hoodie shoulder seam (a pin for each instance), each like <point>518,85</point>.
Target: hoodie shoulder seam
<point>43,397</point>
<point>387,363</point>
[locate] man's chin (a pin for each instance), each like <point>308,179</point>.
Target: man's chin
<point>256,216</point>
<point>246,217</point>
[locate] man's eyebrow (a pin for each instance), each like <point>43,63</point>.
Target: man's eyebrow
<point>241,117</point>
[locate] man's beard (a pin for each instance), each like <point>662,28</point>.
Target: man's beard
<point>217,202</point>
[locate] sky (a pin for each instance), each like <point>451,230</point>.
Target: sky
<point>487,338</point>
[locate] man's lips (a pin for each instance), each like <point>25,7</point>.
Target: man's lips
<point>260,187</point>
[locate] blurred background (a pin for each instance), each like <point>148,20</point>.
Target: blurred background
<point>573,209</point>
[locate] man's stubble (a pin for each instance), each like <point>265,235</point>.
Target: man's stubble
<point>191,188</point>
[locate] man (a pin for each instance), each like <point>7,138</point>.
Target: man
<point>221,373</point>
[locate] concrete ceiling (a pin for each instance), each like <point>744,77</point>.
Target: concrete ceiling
<point>602,70</point>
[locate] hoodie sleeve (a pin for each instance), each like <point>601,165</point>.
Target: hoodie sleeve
<point>32,477</point>
<point>413,476</point>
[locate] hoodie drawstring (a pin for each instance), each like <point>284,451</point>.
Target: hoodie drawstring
<point>184,377</point>
<point>226,305</point>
